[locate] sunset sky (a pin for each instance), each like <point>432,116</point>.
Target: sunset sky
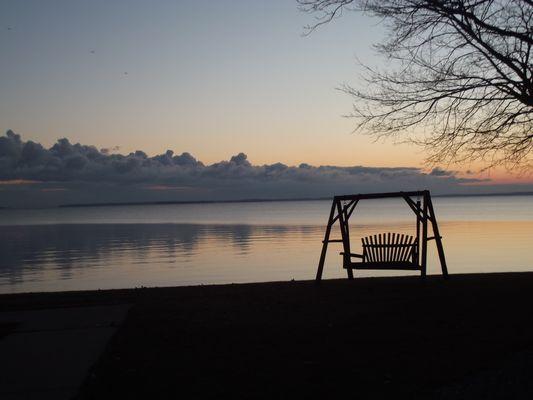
<point>213,79</point>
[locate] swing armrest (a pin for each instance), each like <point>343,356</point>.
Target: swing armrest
<point>353,255</point>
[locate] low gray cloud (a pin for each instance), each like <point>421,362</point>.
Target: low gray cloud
<point>437,171</point>
<point>87,173</point>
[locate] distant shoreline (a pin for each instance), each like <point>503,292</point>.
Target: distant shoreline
<point>145,203</point>
<point>183,202</point>
<point>154,203</point>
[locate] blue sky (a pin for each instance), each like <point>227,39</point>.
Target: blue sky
<point>209,78</point>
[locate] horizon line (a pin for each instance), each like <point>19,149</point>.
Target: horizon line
<point>251,200</point>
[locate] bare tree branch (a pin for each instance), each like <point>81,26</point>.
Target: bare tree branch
<point>460,80</point>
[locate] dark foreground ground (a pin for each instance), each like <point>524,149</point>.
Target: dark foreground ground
<point>470,337</point>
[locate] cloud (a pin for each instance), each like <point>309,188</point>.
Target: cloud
<point>106,150</point>
<point>18,182</point>
<point>437,171</point>
<point>88,174</point>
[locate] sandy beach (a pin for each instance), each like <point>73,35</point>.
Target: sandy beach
<point>468,336</point>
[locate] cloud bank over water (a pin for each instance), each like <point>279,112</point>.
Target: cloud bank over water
<point>31,175</point>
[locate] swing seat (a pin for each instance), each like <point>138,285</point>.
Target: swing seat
<point>385,251</point>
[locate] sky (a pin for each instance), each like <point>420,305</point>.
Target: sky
<point>211,79</point>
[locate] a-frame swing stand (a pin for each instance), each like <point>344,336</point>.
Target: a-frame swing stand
<point>385,251</point>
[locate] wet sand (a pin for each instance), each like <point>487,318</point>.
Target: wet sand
<point>467,337</point>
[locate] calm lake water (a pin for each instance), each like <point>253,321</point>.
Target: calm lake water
<point>169,245</point>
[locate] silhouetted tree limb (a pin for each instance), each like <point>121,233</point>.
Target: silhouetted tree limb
<point>461,76</point>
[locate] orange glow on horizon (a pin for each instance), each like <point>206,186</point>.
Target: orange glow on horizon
<point>18,182</point>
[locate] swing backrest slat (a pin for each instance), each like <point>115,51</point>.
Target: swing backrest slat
<point>388,248</point>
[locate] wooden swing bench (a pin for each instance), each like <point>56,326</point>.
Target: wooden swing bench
<point>385,251</point>
<point>392,251</point>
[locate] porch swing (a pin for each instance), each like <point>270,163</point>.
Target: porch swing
<point>385,251</point>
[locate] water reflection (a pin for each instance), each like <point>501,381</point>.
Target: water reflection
<point>71,251</point>
<point>91,256</point>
